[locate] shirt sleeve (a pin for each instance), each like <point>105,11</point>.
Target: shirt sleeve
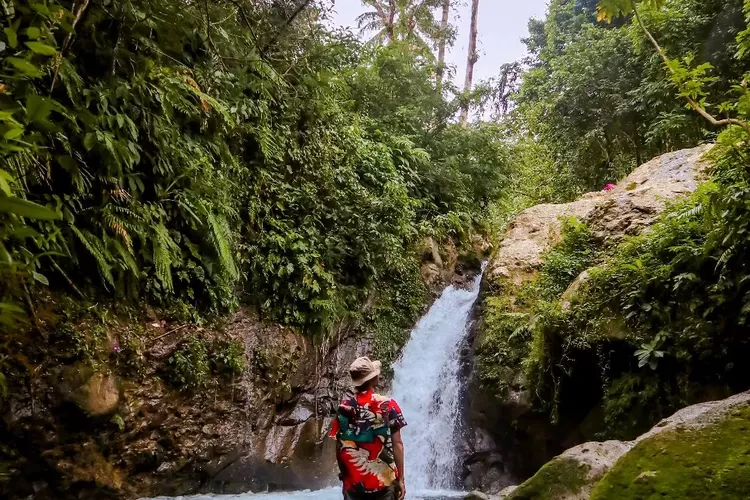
<point>334,428</point>
<point>395,417</point>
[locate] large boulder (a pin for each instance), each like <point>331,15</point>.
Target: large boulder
<point>509,417</point>
<point>701,451</point>
<point>627,209</point>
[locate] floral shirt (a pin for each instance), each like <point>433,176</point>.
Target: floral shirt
<point>363,427</point>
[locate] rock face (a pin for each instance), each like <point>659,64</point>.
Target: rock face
<point>116,432</point>
<point>510,423</point>
<point>96,437</point>
<point>624,470</point>
<point>626,210</point>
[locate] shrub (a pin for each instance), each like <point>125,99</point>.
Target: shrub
<point>188,366</point>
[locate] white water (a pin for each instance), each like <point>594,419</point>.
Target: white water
<point>427,387</point>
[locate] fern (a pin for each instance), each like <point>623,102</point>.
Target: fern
<point>97,250</point>
<point>222,241</point>
<point>164,249</point>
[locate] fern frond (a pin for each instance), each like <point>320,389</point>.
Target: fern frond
<point>97,250</point>
<point>163,254</point>
<point>221,236</point>
<point>126,257</point>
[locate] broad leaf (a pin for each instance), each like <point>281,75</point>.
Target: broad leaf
<point>24,66</point>
<point>25,208</point>
<point>38,108</point>
<point>608,10</point>
<point>12,37</point>
<point>41,48</point>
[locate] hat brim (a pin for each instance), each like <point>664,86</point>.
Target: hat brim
<point>361,381</point>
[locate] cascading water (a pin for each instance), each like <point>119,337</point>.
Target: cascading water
<point>428,388</point>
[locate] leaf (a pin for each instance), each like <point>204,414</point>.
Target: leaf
<point>12,37</point>
<point>38,108</point>
<point>89,142</point>
<point>25,208</point>
<point>40,278</point>
<point>24,67</point>
<point>41,48</point>
<point>13,133</point>
<point>5,181</point>
<point>33,32</point>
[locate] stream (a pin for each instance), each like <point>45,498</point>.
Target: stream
<point>427,386</point>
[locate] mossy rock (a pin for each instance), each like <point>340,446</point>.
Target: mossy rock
<point>563,477</point>
<point>712,462</point>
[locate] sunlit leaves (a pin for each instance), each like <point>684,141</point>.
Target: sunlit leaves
<point>608,10</point>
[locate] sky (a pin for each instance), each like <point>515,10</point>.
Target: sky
<point>502,24</point>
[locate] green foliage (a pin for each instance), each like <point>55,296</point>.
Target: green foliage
<point>398,304</point>
<point>598,100</point>
<point>202,160</point>
<point>513,333</point>
<point>229,357</point>
<point>189,365</point>
<point>708,462</point>
<point>607,10</point>
<point>575,253</point>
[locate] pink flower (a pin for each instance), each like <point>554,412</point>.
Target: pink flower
<point>609,187</point>
<point>116,348</point>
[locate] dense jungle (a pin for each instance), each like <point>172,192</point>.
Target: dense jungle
<point>209,207</point>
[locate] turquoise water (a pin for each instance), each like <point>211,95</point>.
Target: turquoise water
<point>327,494</point>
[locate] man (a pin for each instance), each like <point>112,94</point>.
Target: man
<point>367,430</point>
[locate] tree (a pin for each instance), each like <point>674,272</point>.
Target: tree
<point>472,57</point>
<point>690,83</point>
<point>381,19</point>
<point>410,21</point>
<point>442,43</point>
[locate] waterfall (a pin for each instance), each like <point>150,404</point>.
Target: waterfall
<point>427,387</point>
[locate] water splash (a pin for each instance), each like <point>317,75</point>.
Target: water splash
<point>427,386</point>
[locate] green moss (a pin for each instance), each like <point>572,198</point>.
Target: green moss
<point>559,477</point>
<point>709,463</point>
<point>514,334</point>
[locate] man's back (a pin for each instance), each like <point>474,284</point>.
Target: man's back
<point>364,428</point>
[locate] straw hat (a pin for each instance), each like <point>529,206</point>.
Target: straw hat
<point>363,369</point>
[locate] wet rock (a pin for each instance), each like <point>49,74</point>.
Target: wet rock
<point>507,491</point>
<point>96,393</point>
<point>476,495</point>
<point>575,474</point>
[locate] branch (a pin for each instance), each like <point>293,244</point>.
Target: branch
<point>693,104</point>
<point>289,21</point>
<point>66,43</point>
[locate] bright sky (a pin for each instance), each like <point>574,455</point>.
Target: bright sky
<point>502,24</point>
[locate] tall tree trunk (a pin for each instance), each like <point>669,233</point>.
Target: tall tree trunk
<point>443,43</point>
<point>391,20</point>
<point>472,57</point>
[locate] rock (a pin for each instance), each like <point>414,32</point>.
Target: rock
<point>708,436</point>
<point>569,296</point>
<point>96,393</point>
<point>628,209</point>
<point>431,274</point>
<point>507,491</point>
<point>476,495</point>
<point>431,252</point>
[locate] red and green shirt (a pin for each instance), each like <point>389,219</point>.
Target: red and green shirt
<point>363,427</point>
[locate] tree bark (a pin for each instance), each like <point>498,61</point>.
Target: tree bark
<point>391,20</point>
<point>442,45</point>
<point>472,57</point>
